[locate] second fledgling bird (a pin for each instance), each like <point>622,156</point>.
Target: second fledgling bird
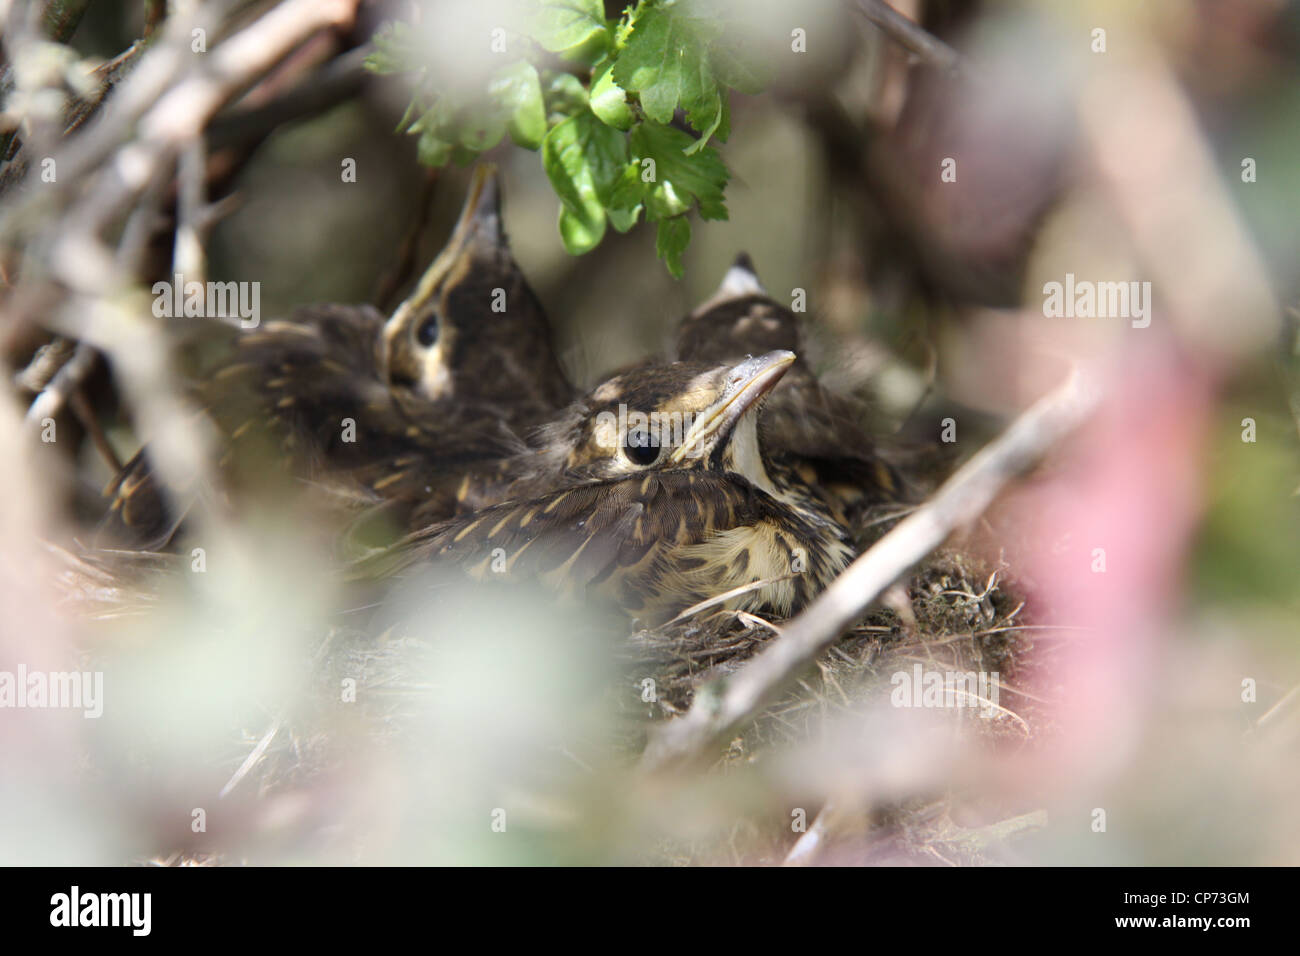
<point>816,433</point>
<point>405,411</point>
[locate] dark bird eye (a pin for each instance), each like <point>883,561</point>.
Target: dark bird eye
<point>638,449</point>
<point>427,333</point>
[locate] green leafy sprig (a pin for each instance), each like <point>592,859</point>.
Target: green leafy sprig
<point>600,100</point>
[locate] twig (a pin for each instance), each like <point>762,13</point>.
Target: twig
<point>1291,698</point>
<point>721,706</point>
<point>188,258</point>
<point>253,757</point>
<point>908,35</point>
<point>277,723</point>
<point>811,843</point>
<point>340,79</point>
<point>146,220</point>
<point>64,383</point>
<point>156,70</point>
<point>45,364</point>
<point>727,596</point>
<point>980,839</point>
<point>65,387</point>
<point>58,19</point>
<point>80,406</point>
<point>169,98</point>
<point>165,103</point>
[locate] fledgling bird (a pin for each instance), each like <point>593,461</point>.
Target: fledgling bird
<point>816,433</point>
<point>405,410</point>
<point>665,498</point>
<point>473,330</point>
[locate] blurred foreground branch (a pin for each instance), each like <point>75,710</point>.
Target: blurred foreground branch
<point>720,706</point>
<point>131,147</point>
<point>929,48</point>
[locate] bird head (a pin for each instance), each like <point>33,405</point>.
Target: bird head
<point>738,319</point>
<point>682,415</point>
<point>472,328</point>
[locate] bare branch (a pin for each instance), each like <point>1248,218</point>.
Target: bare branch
<point>169,98</point>
<point>165,104</point>
<point>188,257</point>
<point>61,387</point>
<point>931,50</point>
<point>807,847</point>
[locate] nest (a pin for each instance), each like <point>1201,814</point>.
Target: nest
<point>957,612</point>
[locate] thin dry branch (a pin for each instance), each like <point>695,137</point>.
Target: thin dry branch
<point>811,843</point>
<point>161,109</point>
<point>182,111</point>
<point>931,50</point>
<point>61,387</point>
<point>724,704</point>
<point>188,258</point>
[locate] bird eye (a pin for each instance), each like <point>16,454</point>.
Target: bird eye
<point>427,332</point>
<point>638,449</point>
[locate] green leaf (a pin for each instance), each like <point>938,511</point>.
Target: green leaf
<point>464,155</point>
<point>724,126</point>
<point>703,101</point>
<point>437,135</point>
<point>608,99</point>
<point>628,190</point>
<point>624,219</point>
<point>449,134</point>
<point>573,28</point>
<point>584,160</point>
<point>396,49</point>
<point>518,89</point>
<point>434,118</point>
<point>408,118</point>
<point>671,241</point>
<point>579,233</point>
<point>652,62</point>
<point>732,68</point>
<point>679,178</point>
<point>563,94</point>
<point>680,55</point>
<point>483,134</point>
<point>432,151</point>
<point>624,204</point>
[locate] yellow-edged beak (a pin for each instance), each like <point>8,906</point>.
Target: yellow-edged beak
<point>746,384</point>
<point>478,232</point>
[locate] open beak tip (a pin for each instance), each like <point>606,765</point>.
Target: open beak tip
<point>769,362</point>
<point>757,376</point>
<point>781,357</point>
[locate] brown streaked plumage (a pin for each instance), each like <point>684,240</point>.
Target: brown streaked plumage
<point>654,526</point>
<point>139,514</point>
<point>816,434</point>
<point>407,410</point>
